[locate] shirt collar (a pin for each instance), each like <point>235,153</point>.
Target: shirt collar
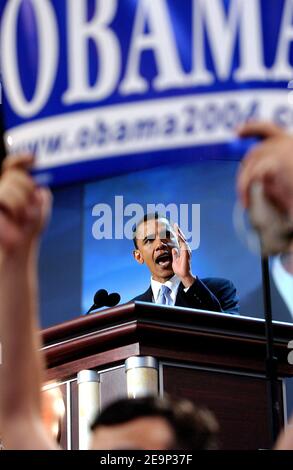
<point>172,283</point>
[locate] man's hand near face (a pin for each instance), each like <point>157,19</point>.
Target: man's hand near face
<point>182,260</point>
<point>163,248</point>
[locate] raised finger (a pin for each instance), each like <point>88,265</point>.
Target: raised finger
<point>182,240</point>
<point>181,234</point>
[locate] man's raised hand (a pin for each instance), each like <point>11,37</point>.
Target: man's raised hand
<point>182,259</point>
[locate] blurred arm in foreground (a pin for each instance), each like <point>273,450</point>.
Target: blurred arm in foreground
<point>285,440</point>
<point>271,164</point>
<point>24,210</point>
<point>150,423</point>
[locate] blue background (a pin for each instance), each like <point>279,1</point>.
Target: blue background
<point>109,263</point>
<point>73,265</point>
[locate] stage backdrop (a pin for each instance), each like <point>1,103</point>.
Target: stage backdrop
<point>142,97</point>
<point>217,250</point>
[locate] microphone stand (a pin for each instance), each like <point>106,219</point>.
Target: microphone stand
<point>271,359</point>
<point>91,309</point>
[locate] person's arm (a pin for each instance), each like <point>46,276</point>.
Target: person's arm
<point>214,294</point>
<point>228,296</point>
<point>199,296</point>
<point>285,440</point>
<point>270,162</point>
<point>196,293</point>
<point>23,211</point>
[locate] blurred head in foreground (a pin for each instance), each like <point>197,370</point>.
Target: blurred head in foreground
<point>53,410</point>
<point>153,423</point>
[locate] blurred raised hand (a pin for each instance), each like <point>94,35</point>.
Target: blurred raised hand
<point>24,207</point>
<point>270,162</point>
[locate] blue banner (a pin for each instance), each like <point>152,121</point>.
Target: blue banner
<point>98,87</point>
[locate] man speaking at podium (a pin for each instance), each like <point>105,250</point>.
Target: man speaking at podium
<point>164,249</point>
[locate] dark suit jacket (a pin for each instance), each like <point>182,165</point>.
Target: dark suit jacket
<point>215,294</point>
<point>252,305</point>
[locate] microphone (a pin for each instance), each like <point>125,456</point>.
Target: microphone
<point>103,299</point>
<point>113,300</point>
<point>100,299</point>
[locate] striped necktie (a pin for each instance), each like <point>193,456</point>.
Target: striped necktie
<point>164,295</point>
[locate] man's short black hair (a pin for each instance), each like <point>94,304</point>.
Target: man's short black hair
<point>194,428</point>
<point>145,218</point>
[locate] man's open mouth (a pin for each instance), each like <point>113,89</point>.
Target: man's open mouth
<point>164,260</point>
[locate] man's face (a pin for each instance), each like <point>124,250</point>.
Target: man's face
<point>155,240</point>
<point>144,433</point>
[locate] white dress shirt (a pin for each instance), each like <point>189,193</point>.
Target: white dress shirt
<point>173,285</point>
<point>284,283</point>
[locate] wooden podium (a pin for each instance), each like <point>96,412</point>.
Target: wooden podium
<point>216,360</point>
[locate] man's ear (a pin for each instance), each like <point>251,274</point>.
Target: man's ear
<point>138,256</point>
